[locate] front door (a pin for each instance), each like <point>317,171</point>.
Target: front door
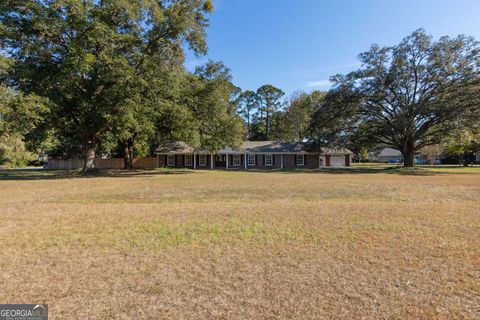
<point>220,161</point>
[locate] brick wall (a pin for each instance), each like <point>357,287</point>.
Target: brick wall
<point>180,161</point>
<point>260,162</point>
<point>347,160</point>
<point>310,161</point>
<point>289,162</point>
<point>230,162</point>
<point>207,166</point>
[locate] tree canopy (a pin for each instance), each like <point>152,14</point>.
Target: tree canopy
<point>407,96</point>
<point>108,77</point>
<point>114,73</point>
<point>268,99</point>
<point>97,61</point>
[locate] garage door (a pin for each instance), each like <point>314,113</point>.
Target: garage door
<point>337,161</point>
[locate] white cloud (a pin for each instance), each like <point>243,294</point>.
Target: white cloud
<point>319,83</point>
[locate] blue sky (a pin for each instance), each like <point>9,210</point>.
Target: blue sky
<point>298,44</point>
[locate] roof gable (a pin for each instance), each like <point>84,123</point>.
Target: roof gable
<point>273,146</point>
<point>175,147</point>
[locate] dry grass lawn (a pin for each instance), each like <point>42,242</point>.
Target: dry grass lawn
<point>350,244</point>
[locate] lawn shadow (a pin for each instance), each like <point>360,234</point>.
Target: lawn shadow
<point>357,170</point>
<point>42,174</point>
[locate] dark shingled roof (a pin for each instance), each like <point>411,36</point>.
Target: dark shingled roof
<point>273,146</point>
<point>175,147</point>
<point>335,151</point>
<point>254,147</point>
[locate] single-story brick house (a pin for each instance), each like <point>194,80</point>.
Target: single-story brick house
<point>252,155</point>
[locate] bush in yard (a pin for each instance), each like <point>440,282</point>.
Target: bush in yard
<point>13,152</point>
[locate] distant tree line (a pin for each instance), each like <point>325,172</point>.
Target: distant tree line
<point>91,78</point>
<point>268,116</point>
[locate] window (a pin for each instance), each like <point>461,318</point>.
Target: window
<point>251,159</point>
<point>188,160</point>
<point>300,159</point>
<point>171,161</point>
<point>269,160</point>
<point>236,160</point>
<point>202,160</point>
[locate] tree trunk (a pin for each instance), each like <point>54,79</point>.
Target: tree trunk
<point>128,154</point>
<point>465,159</point>
<point>90,153</point>
<point>267,125</point>
<point>408,154</point>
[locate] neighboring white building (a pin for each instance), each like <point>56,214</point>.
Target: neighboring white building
<point>387,155</point>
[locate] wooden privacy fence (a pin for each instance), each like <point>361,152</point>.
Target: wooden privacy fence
<point>114,163</point>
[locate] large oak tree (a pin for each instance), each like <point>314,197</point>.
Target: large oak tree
<point>95,59</point>
<point>410,95</point>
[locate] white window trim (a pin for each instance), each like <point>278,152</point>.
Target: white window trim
<point>169,162</point>
<point>303,160</point>
<point>202,160</point>
<point>268,163</point>
<point>188,160</point>
<point>236,160</point>
<point>251,157</point>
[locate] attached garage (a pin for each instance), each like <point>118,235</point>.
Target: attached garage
<point>337,160</point>
<point>335,157</point>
